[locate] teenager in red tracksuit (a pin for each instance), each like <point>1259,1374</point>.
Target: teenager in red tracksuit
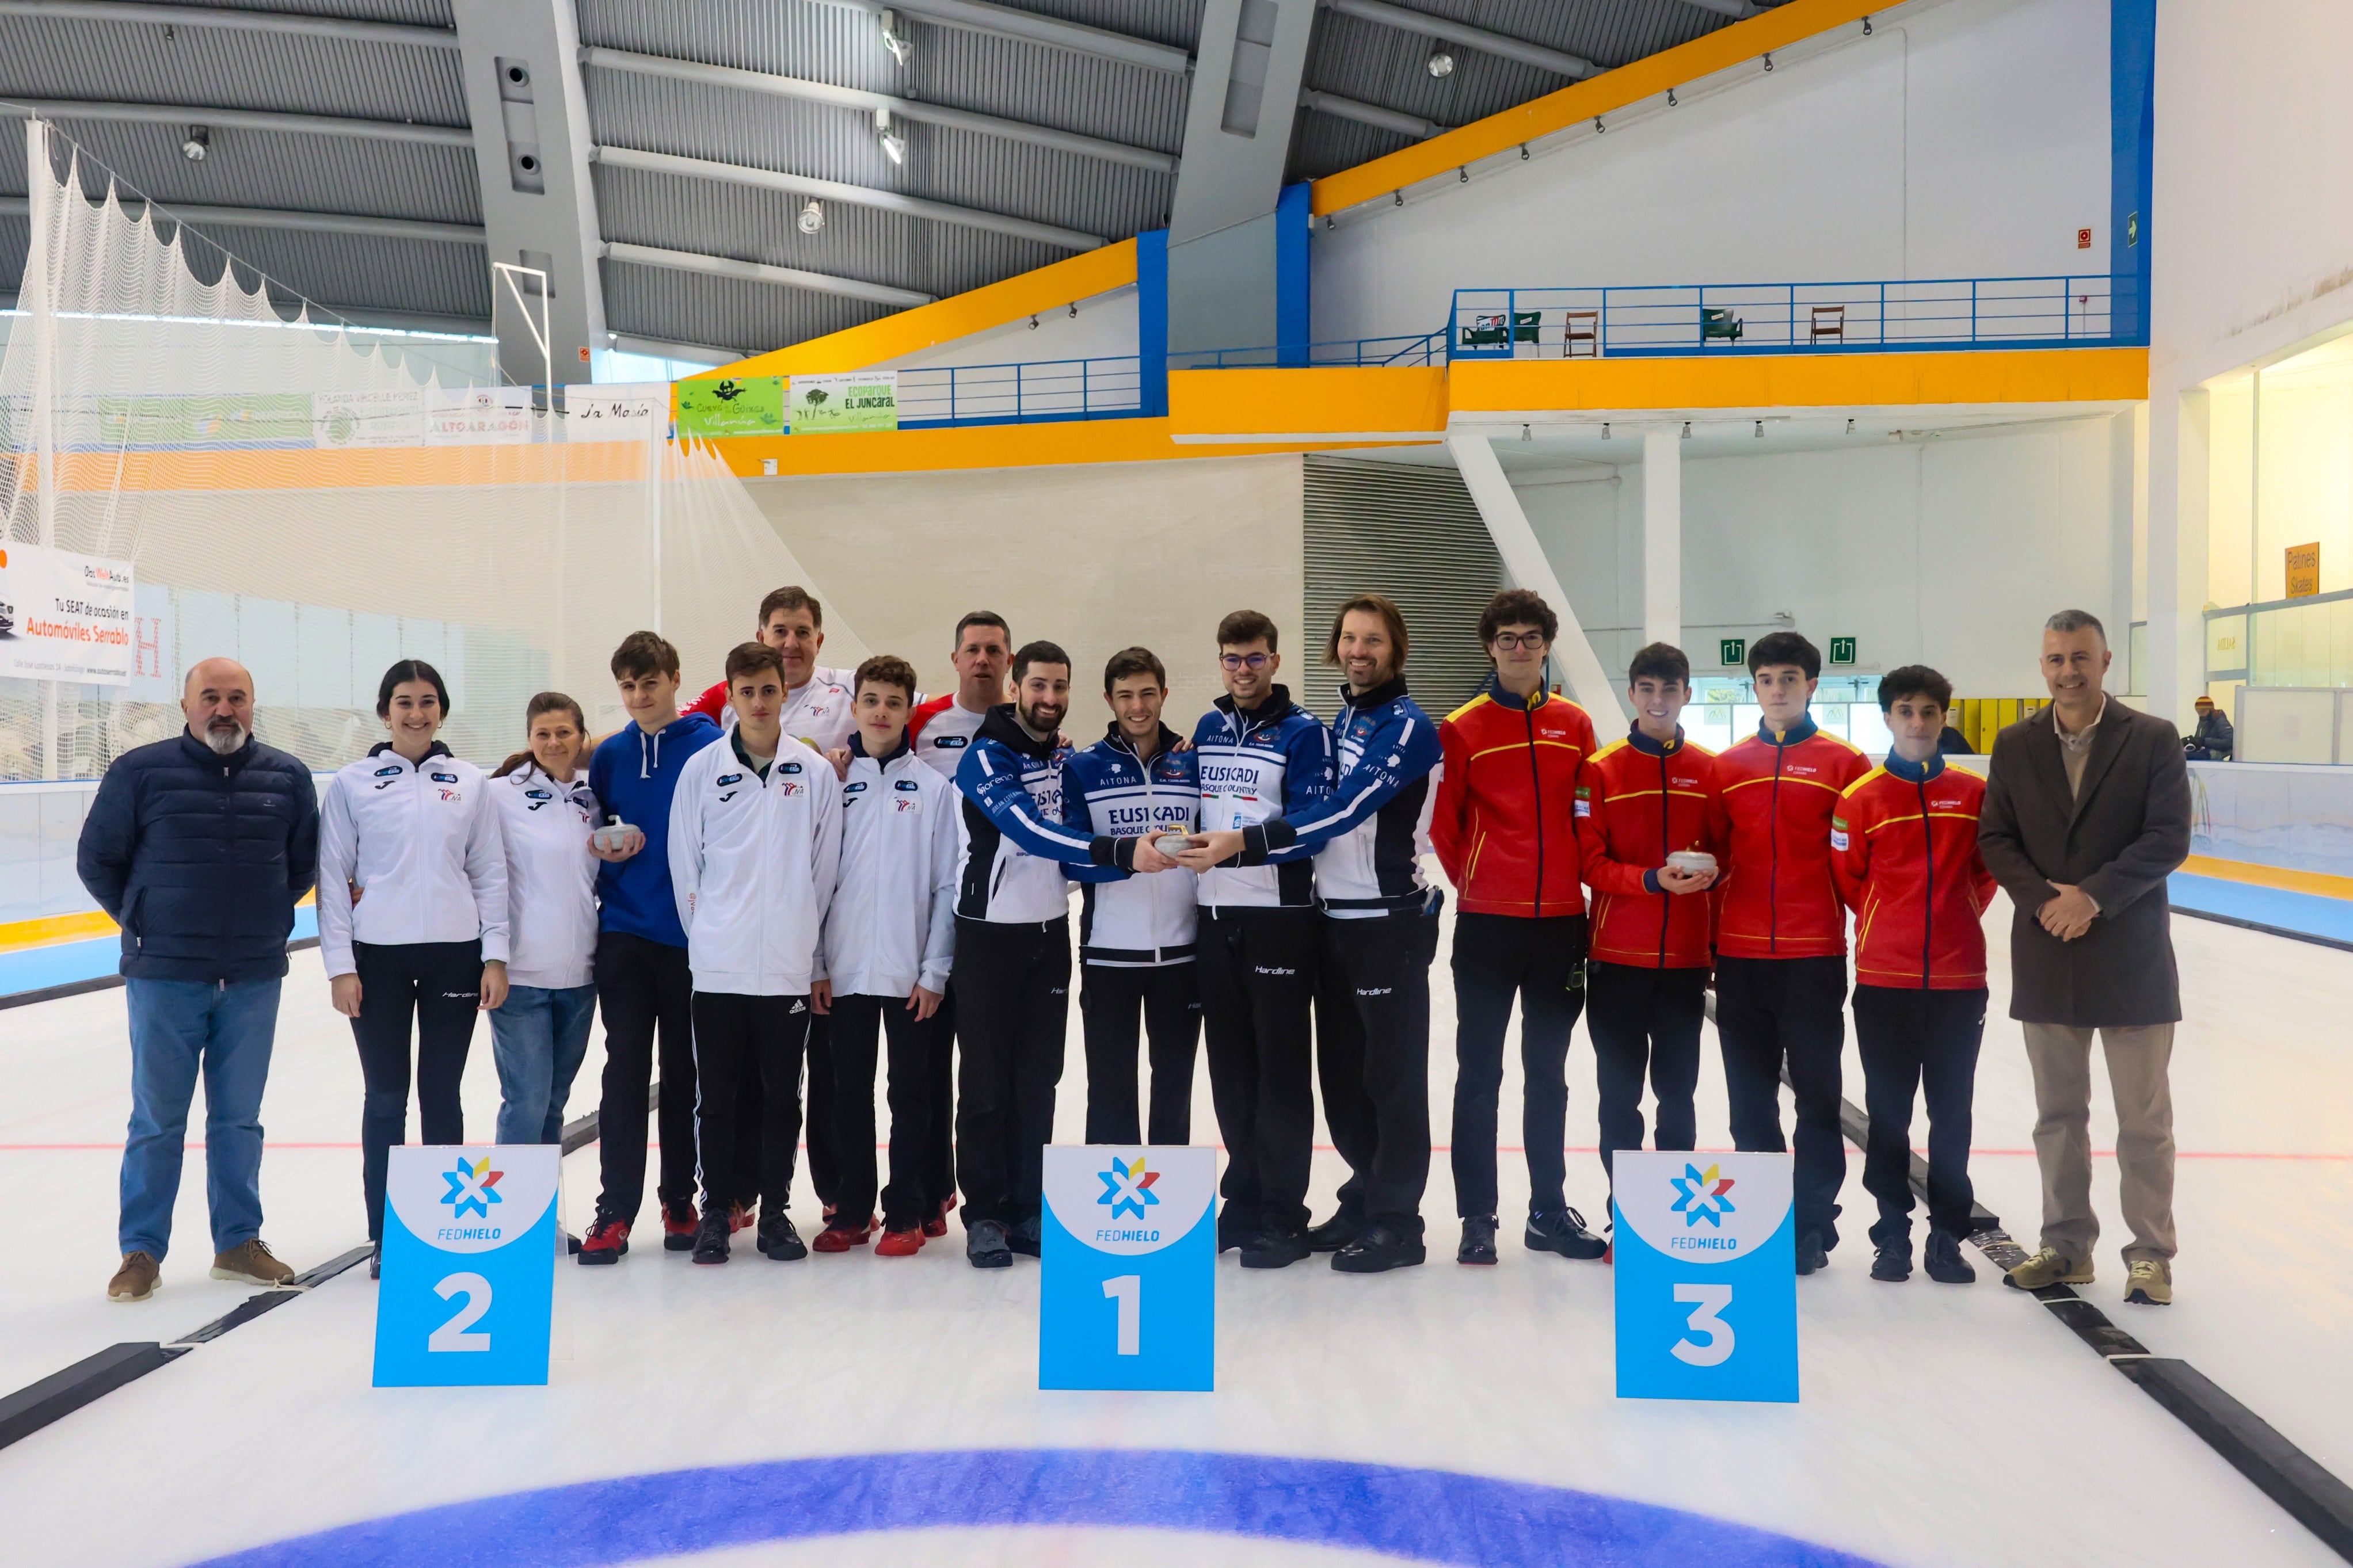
<point>1504,828</point>
<point>1645,797</point>
<point>1904,846</point>
<point>1780,931</point>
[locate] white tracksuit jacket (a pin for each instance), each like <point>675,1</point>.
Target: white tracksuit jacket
<point>754,866</point>
<point>422,845</point>
<point>551,878</point>
<point>892,923</point>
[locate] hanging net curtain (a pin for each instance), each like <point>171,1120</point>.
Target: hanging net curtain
<point>318,502</point>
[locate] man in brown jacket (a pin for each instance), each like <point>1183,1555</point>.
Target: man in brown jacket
<point>2086,811</point>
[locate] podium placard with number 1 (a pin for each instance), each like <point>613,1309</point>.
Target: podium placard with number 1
<point>468,1286</point>
<point>1706,1276</point>
<point>1130,1256</point>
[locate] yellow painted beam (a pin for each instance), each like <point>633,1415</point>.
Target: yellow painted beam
<point>927,326</point>
<point>2320,882</point>
<point>1802,381</point>
<point>1321,400</point>
<point>1602,94</point>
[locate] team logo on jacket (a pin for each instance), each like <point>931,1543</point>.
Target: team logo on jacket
<point>440,777</point>
<point>453,795</point>
<point>726,779</point>
<point>788,768</point>
<point>950,742</point>
<point>907,786</point>
<point>857,788</point>
<point>1838,833</point>
<point>393,771</point>
<point>1584,801</point>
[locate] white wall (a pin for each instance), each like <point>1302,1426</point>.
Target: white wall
<point>1949,552</point>
<point>1967,138</point>
<point>1104,326</point>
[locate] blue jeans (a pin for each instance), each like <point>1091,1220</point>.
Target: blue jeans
<point>179,1027</point>
<point>539,1038</point>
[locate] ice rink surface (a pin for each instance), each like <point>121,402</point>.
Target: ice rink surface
<point>1938,1425</point>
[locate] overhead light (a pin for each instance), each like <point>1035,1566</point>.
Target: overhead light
<point>894,146</point>
<point>1760,429</point>
<point>1441,63</point>
<point>199,142</point>
<point>1672,100</point>
<point>1686,429</point>
<point>895,39</point>
<point>812,216</point>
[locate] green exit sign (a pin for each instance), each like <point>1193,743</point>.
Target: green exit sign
<point>1841,650</point>
<point>1734,651</point>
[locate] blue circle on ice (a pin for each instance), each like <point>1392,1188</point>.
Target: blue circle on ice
<point>1416,1515</point>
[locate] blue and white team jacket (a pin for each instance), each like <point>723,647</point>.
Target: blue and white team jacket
<point>1130,921</point>
<point>1369,834</point>
<point>1015,846</point>
<point>1274,761</point>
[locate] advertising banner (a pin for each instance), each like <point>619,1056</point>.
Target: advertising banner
<point>1706,1276</point>
<point>470,1240</point>
<point>206,420</point>
<point>1129,1255</point>
<point>616,411</point>
<point>64,617</point>
<point>478,415</point>
<point>754,405</point>
<point>342,419</point>
<point>838,404</point>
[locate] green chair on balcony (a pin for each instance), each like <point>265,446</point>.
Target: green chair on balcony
<point>1719,324</point>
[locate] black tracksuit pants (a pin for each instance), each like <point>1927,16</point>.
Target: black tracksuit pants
<point>1112,999</point>
<point>936,1153</point>
<point>1013,1006</point>
<point>1540,962</point>
<point>824,1164</point>
<point>1645,1021</point>
<point>1257,978</point>
<point>440,983</point>
<point>1769,1011</point>
<point>858,1024</point>
<point>1372,1058</point>
<point>644,987</point>
<point>1912,1039</point>
<point>770,1033</point>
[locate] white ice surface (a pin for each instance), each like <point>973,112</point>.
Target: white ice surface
<point>1939,1425</point>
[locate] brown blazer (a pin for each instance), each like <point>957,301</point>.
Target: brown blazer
<point>2117,840</point>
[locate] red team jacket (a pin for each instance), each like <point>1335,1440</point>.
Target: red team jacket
<point>1770,810</point>
<point>1504,823</point>
<point>1904,850</point>
<point>1639,801</point>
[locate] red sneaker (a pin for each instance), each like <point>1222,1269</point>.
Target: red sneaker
<point>937,1225</point>
<point>1610,1253</point>
<point>678,1222</point>
<point>739,1217</point>
<point>605,1241</point>
<point>900,1243</point>
<point>838,1238</point>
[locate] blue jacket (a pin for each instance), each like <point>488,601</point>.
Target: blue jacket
<point>201,859</point>
<point>633,775</point>
<point>1273,761</point>
<point>1015,846</point>
<point>1107,791</point>
<point>1368,836</point>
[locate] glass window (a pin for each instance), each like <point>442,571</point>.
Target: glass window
<point>2304,489</point>
<point>2230,489</point>
<point>2226,645</point>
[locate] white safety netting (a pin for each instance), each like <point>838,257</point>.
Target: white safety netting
<point>318,502</point>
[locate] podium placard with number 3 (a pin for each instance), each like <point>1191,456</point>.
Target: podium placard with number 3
<point>469,1243</point>
<point>1706,1276</point>
<point>1130,1254</point>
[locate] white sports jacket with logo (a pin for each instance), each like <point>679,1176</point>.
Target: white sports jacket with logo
<point>551,877</point>
<point>892,923</point>
<point>420,843</point>
<point>753,865</point>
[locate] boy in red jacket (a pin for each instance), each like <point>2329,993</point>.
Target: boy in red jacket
<point>1780,934</point>
<point>1904,847</point>
<point>1504,826</point>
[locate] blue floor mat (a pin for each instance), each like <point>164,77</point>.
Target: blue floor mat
<point>73,962</point>
<point>2309,914</point>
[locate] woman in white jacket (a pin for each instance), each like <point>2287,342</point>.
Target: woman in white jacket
<point>546,814</point>
<point>412,918</point>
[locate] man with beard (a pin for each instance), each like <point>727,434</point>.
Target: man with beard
<point>199,847</point>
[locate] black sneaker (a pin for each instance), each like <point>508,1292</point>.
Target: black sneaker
<point>1377,1250</point>
<point>375,1262</point>
<point>1028,1237</point>
<point>1562,1232</point>
<point>1236,1226</point>
<point>779,1240</point>
<point>1274,1249</point>
<point>1811,1254</point>
<point>1478,1239</point>
<point>1334,1233</point>
<point>984,1245</point>
<point>1892,1264</point>
<point>678,1226</point>
<point>711,1238</point>
<point>1946,1265</point>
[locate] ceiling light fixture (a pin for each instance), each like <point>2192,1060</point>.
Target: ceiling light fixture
<point>812,216</point>
<point>1598,127</point>
<point>1441,63</point>
<point>1866,27</point>
<point>199,143</point>
<point>1768,60</point>
<point>1672,101</point>
<point>894,146</point>
<point>1760,429</point>
<point>895,39</point>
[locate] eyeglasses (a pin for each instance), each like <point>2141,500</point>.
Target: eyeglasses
<point>1508,641</point>
<point>1243,660</point>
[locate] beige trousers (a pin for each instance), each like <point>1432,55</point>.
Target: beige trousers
<point>2138,1059</point>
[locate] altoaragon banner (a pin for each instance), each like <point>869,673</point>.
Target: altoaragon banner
<point>64,616</point>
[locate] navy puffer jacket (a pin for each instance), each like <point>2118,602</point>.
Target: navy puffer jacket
<point>201,859</point>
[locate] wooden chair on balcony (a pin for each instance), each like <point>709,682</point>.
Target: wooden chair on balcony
<point>1580,334</point>
<point>1828,322</point>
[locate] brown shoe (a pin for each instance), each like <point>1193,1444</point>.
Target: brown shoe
<point>135,1280</point>
<point>252,1264</point>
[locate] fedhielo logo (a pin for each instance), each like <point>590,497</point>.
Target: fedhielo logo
<point>1703,1196</point>
<point>1127,1188</point>
<point>473,1186</point>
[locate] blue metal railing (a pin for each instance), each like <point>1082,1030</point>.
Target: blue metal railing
<point>1428,348</point>
<point>1684,320</point>
<point>1036,391</point>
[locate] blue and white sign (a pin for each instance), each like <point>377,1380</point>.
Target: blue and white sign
<point>470,1245</point>
<point>1129,1299</point>
<point>1707,1275</point>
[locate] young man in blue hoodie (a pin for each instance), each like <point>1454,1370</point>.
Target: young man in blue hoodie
<point>643,983</point>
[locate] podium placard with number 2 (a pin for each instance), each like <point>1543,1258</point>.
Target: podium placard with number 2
<point>1706,1276</point>
<point>469,1241</point>
<point>1130,1254</point>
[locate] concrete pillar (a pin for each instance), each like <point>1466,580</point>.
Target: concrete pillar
<point>2177,435</point>
<point>1662,534</point>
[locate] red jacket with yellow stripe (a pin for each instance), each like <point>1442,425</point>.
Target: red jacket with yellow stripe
<point>1770,801</point>
<point>1504,823</point>
<point>1641,801</point>
<point>1905,849</point>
